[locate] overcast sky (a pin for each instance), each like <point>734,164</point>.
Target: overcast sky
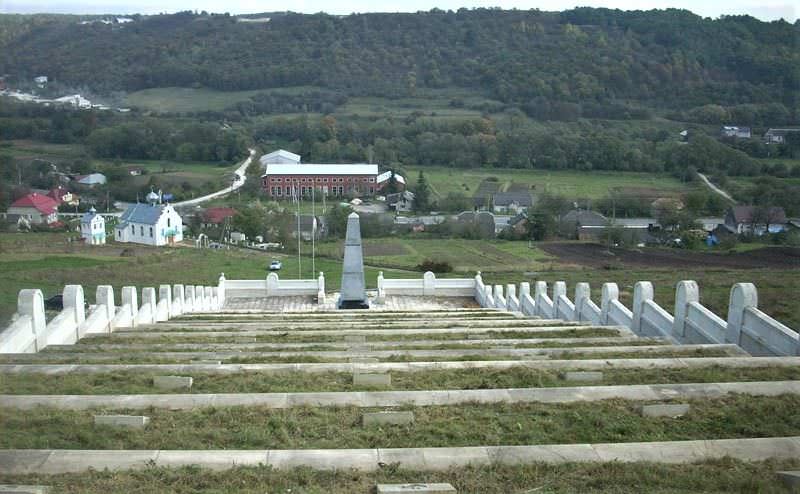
<point>762,9</point>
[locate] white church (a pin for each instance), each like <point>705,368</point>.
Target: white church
<point>93,228</point>
<point>153,224</point>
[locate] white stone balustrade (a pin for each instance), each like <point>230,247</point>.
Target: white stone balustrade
<point>100,320</point>
<point>164,304</point>
<point>147,311</point>
<point>177,301</point>
<point>512,302</point>
<point>544,305</point>
<point>126,314</point>
<point>692,323</point>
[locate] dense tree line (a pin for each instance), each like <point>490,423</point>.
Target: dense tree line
<point>554,65</point>
<point>110,135</point>
<point>479,142</point>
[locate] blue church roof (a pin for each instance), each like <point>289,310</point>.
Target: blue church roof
<point>141,213</point>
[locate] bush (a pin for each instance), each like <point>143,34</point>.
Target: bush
<point>435,266</point>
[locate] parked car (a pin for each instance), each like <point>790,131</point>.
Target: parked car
<point>275,265</point>
<point>56,302</point>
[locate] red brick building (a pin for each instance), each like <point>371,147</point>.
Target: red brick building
<point>280,180</point>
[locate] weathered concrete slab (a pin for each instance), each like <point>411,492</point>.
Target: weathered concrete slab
<point>127,421</point>
<point>387,418</point>
<point>365,399</point>
<point>356,338</point>
<point>372,379</point>
<point>206,362</point>
<point>363,350</point>
<point>608,342</point>
<point>413,488</point>
<point>668,410</point>
<point>363,360</point>
<point>13,462</point>
<point>172,382</point>
<point>583,376</point>
<point>24,489</point>
<point>790,478</point>
<point>245,339</point>
<point>581,364</point>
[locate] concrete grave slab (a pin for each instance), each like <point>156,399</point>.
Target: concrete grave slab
<point>372,379</point>
<point>790,478</point>
<point>583,376</point>
<point>414,488</point>
<point>24,489</point>
<point>172,382</point>
<point>373,419</point>
<point>130,421</point>
<point>364,360</point>
<point>671,410</point>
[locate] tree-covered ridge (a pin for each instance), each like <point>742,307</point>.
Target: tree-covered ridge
<point>544,61</point>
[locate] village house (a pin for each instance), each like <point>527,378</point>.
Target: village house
<point>153,224</point>
<point>384,178</point>
<point>734,131</point>
<point>778,136</point>
<point>34,209</point>
<point>401,201</point>
<point>93,228</point>
<point>91,179</point>
<point>62,196</point>
<point>511,201</point>
<point>215,217</point>
<point>279,157</point>
<point>755,220</point>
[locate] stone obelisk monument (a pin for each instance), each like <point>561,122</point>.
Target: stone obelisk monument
<point>353,294</point>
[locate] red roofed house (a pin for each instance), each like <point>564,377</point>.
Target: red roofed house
<point>35,208</point>
<point>62,195</point>
<point>216,216</point>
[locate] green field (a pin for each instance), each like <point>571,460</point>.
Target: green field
<point>570,183</point>
<point>181,99</point>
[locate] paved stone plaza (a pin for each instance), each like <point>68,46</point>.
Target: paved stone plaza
<point>306,304</point>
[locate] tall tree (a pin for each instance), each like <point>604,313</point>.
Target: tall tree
<point>422,194</point>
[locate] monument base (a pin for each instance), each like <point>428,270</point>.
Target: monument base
<point>353,304</point>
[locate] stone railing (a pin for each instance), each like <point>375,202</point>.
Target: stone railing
<point>690,323</point>
<point>29,331</point>
<point>273,286</point>
<point>427,286</point>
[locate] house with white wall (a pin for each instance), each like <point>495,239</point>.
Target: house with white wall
<point>153,224</point>
<point>93,228</point>
<point>280,157</point>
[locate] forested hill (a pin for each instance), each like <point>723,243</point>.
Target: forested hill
<point>669,59</point>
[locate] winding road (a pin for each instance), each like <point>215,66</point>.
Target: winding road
<point>715,188</point>
<point>241,172</point>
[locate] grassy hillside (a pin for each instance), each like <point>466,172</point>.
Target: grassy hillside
<point>584,60</point>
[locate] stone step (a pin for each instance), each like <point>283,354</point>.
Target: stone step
<point>243,347</point>
<point>356,350</point>
<point>368,399</point>
<point>588,364</point>
<point>54,461</point>
<point>176,325</point>
<point>348,315</point>
<point>621,330</point>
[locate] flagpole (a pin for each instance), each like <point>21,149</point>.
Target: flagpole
<point>313,231</point>
<point>299,268</point>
